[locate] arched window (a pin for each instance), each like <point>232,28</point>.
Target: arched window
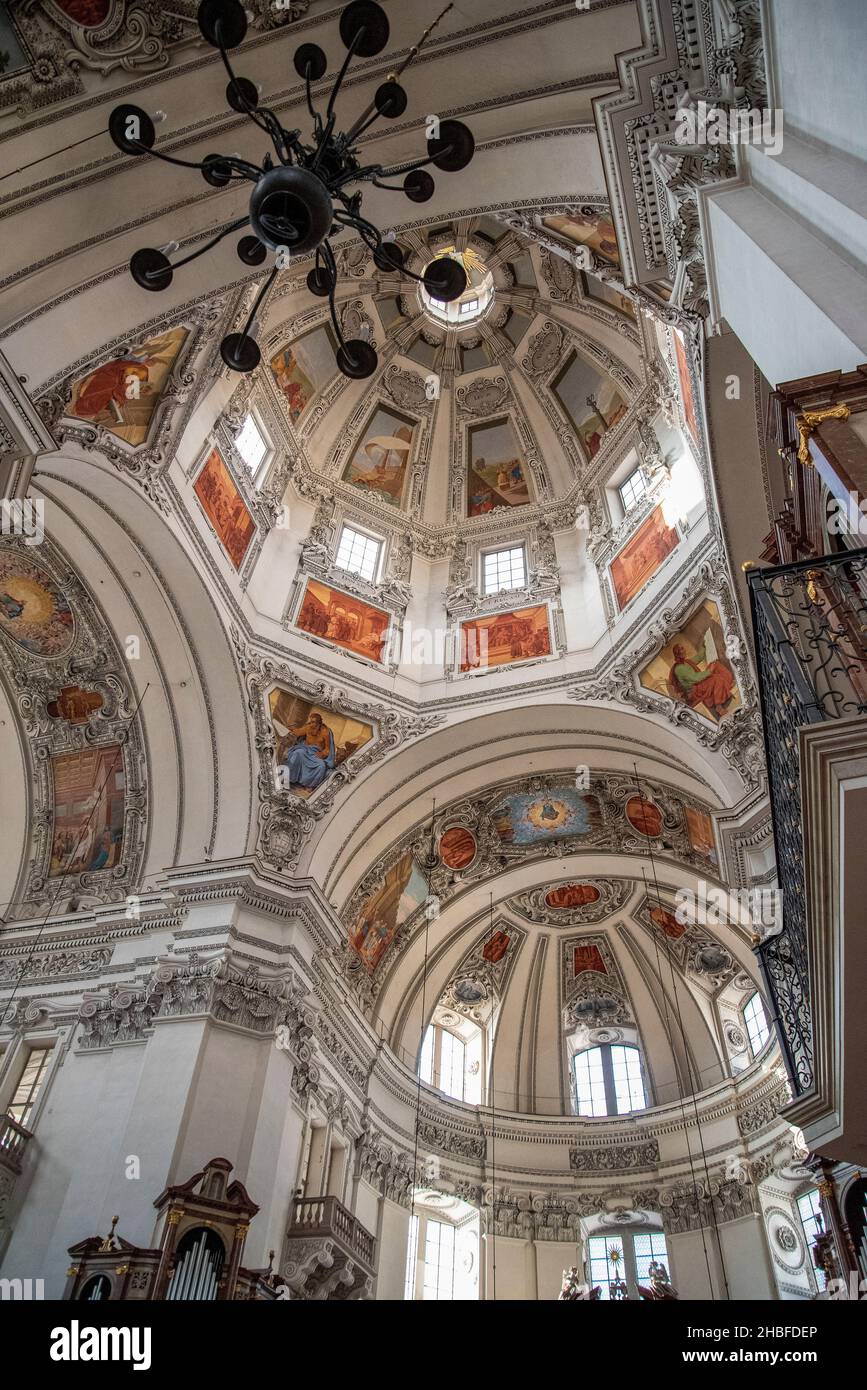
<point>452,1061</point>
<point>756,1023</point>
<point>609,1080</point>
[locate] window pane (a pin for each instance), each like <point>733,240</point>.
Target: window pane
<point>649,1246</point>
<point>590,1082</point>
<point>452,1065</point>
<point>358,553</point>
<point>606,1262</point>
<point>439,1261</point>
<point>504,569</point>
<point>809,1210</point>
<point>756,1022</point>
<point>27,1091</point>
<point>628,1085</point>
<point>633,489</point>
<point>411,1259</point>
<point>425,1067</point>
<point>251,444</point>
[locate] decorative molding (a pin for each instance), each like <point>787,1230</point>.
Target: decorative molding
<point>285,819</point>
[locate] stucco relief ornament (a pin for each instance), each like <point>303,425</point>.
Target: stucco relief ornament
<point>484,396</point>
<point>70,687</point>
<point>169,410</point>
<point>287,820</point>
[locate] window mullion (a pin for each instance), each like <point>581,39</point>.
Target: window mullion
<point>608,1080</point>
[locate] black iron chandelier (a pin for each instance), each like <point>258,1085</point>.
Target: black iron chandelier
<point>302,198</point>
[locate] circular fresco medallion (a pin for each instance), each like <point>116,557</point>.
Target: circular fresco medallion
<point>644,816</point>
<point>713,959</point>
<point>469,990</point>
<point>568,895</point>
<point>457,847</point>
<point>34,611</point>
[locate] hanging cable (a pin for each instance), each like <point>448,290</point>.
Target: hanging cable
<point>430,865</point>
<point>493,1105</point>
<point>691,1073</point>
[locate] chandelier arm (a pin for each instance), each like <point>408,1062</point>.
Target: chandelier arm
<point>331,267</point>
<point>249,110</point>
<point>226,231</point>
<point>372,237</point>
<point>323,139</point>
<point>371,111</point>
<point>342,73</point>
<point>265,287</point>
<point>363,175</point>
<point>189,164</point>
<point>418,164</point>
<point>373,171</point>
<point>392,187</point>
<point>315,116</point>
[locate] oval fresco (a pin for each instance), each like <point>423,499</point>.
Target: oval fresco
<point>88,13</point>
<point>34,611</point>
<point>457,848</point>
<point>644,816</point>
<point>571,895</point>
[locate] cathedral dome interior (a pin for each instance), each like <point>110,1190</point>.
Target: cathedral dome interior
<point>432,692</point>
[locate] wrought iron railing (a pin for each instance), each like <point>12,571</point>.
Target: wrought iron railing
<point>810,622</point>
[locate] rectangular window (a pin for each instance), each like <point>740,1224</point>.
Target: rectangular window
<point>633,489</point>
<point>411,1259</point>
<point>452,1064</point>
<point>504,569</point>
<point>358,553</point>
<point>251,444</point>
<point>649,1246</point>
<point>30,1084</point>
<point>606,1262</point>
<point>439,1262</point>
<point>469,306</point>
<point>758,1031</point>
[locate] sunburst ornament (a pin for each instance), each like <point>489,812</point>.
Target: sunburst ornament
<point>303,194</point>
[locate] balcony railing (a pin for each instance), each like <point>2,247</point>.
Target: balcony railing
<point>13,1142</point>
<point>810,621</point>
<point>325,1216</point>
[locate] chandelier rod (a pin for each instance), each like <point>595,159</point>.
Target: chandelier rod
<point>362,121</point>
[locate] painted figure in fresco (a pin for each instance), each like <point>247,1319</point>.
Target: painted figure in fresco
<point>109,388</point>
<point>11,607</point>
<point>699,681</point>
<point>102,851</point>
<point>306,754</point>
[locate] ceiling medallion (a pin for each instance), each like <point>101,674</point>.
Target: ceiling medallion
<point>298,202</point>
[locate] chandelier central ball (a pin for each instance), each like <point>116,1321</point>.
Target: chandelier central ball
<point>291,207</point>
